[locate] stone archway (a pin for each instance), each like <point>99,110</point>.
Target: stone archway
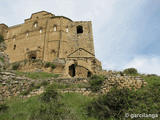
<point>72,70</point>
<point>89,74</point>
<point>32,55</point>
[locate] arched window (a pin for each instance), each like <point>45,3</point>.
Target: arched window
<point>54,28</point>
<point>14,38</point>
<point>35,24</point>
<point>7,33</point>
<point>67,30</point>
<point>79,29</point>
<point>27,34</point>
<point>40,31</point>
<point>14,47</point>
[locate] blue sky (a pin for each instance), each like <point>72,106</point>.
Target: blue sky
<point>126,32</point>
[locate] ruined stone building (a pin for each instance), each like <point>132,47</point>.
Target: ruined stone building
<point>69,44</point>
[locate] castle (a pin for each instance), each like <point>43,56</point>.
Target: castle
<point>58,39</point>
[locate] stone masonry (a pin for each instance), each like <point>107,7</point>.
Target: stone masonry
<point>13,85</point>
<point>69,44</point>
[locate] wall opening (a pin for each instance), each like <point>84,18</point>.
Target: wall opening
<point>79,29</point>
<point>27,34</point>
<point>89,74</point>
<point>67,30</point>
<point>35,24</point>
<point>72,70</point>
<point>33,56</point>
<point>55,28</point>
<point>14,47</point>
<point>40,31</point>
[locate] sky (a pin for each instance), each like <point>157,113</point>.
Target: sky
<point>126,32</point>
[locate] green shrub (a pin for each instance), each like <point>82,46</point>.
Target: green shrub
<point>49,94</point>
<point>130,71</point>
<point>53,66</point>
<point>44,83</point>
<point>96,82</point>
<point>26,92</point>
<point>120,101</point>
<point>3,107</point>
<point>52,107</point>
<point>114,104</point>
<point>1,39</point>
<point>49,64</point>
<point>15,66</point>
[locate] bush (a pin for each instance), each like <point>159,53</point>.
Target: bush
<point>130,71</point>
<point>120,101</point>
<point>44,83</point>
<point>51,107</point>
<point>96,82</point>
<point>49,64</point>
<point>53,66</point>
<point>26,92</point>
<point>1,39</point>
<point>114,104</point>
<point>3,107</point>
<point>15,66</point>
<point>49,94</point>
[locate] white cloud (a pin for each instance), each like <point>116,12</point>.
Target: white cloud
<point>145,64</point>
<point>115,26</point>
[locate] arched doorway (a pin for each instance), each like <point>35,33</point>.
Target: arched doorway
<point>89,74</point>
<point>72,70</point>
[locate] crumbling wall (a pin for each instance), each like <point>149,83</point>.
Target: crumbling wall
<point>13,85</point>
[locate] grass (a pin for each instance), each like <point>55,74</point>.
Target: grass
<point>152,79</point>
<point>58,85</point>
<point>21,109</point>
<point>37,75</point>
<point>77,103</point>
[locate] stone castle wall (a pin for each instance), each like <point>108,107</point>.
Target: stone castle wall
<point>48,37</point>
